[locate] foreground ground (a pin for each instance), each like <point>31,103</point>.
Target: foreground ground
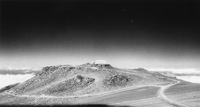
<point>180,94</point>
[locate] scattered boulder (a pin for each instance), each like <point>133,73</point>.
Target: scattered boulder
<point>140,69</point>
<point>79,78</point>
<point>116,80</point>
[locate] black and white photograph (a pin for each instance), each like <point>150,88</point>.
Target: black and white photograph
<point>118,53</point>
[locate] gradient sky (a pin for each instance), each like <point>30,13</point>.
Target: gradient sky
<point>125,34</point>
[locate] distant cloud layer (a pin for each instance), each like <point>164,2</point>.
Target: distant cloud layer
<point>179,71</point>
<point>193,79</point>
<point>10,76</point>
<point>7,79</point>
<point>16,71</point>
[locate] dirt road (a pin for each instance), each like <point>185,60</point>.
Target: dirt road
<point>166,99</point>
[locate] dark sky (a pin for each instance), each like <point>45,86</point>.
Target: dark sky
<point>125,33</point>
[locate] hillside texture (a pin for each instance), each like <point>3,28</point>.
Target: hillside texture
<point>65,81</point>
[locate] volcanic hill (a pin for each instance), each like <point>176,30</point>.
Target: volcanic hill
<point>68,82</point>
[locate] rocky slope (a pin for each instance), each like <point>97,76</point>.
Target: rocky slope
<point>64,81</point>
<point>88,78</point>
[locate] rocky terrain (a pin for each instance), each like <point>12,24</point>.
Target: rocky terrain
<point>66,84</point>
